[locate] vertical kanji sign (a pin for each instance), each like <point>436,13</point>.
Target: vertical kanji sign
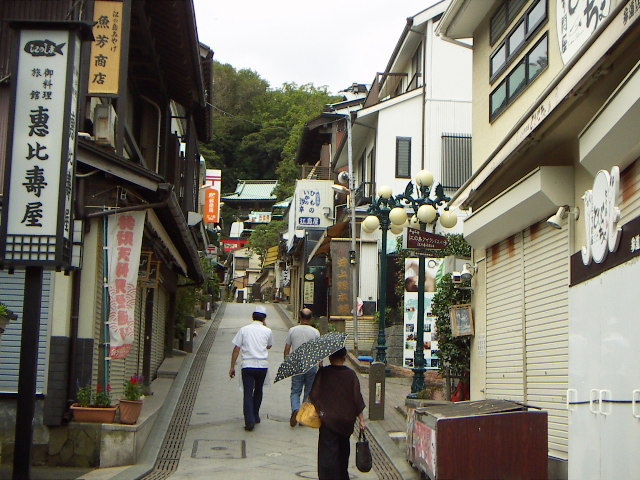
<point>104,67</point>
<point>211,205</point>
<point>124,243</point>
<point>341,300</point>
<point>39,172</point>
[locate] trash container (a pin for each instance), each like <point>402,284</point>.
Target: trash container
<point>478,440</point>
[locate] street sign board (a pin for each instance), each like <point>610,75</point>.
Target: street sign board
<point>418,240</point>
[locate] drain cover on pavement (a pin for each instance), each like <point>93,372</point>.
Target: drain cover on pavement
<point>219,449</point>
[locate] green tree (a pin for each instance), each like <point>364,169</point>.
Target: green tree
<point>257,129</point>
<point>266,236</point>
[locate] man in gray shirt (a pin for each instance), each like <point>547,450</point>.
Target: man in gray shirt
<point>297,336</point>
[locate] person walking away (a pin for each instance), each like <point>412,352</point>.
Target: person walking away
<point>254,341</point>
<point>337,397</point>
<point>297,336</point>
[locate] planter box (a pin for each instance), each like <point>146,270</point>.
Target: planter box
<point>93,414</point>
<point>130,411</point>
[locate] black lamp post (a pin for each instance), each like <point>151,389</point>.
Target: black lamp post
<point>425,205</point>
<point>388,213</point>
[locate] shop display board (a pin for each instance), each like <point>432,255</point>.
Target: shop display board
<point>410,332</point>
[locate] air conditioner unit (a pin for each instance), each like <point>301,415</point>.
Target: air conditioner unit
<point>104,125</point>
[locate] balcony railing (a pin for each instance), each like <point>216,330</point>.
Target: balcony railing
<point>310,172</point>
<point>365,193</point>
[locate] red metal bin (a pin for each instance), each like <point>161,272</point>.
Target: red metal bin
<point>485,439</point>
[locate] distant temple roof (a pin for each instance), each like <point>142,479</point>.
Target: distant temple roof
<point>252,190</point>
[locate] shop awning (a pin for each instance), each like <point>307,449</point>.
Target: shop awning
<point>271,256</point>
<point>339,230</point>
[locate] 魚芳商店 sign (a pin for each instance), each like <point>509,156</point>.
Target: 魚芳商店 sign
<point>104,68</point>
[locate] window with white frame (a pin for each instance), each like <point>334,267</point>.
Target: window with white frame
<point>403,157</point>
<point>513,43</point>
<point>520,76</point>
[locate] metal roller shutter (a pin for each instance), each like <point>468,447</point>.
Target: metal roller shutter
<point>12,295</point>
<point>505,355</point>
<point>158,335</point>
<point>546,273</point>
<point>630,189</point>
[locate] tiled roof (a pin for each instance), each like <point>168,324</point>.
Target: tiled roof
<point>253,190</point>
<point>284,203</point>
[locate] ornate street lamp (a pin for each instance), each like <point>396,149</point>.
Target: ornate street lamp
<point>387,213</point>
<point>425,205</point>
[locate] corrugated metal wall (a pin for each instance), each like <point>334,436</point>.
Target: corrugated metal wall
<point>456,159</point>
<point>98,321</point>
<point>12,295</point>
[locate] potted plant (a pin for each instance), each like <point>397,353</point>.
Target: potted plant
<point>131,405</point>
<point>95,406</point>
<point>6,316</point>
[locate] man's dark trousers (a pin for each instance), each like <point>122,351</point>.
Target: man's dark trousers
<point>252,382</point>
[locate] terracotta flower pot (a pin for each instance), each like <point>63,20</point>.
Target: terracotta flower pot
<point>130,411</point>
<point>93,414</point>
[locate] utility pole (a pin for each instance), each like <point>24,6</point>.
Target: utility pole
<point>352,254</point>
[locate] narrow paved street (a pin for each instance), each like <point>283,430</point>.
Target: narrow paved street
<point>216,444</point>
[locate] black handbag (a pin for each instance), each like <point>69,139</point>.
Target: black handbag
<point>363,453</point>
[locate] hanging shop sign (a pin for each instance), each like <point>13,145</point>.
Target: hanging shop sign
<point>37,223</point>
<point>341,300</point>
<point>418,240</point>
<point>211,205</point>
<point>104,67</point>
<point>260,217</point>
<point>602,234</point>
<point>576,21</point>
<point>312,200</point>
<point>124,242</point>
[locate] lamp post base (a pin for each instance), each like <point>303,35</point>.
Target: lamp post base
<point>417,385</point>
<point>381,354</point>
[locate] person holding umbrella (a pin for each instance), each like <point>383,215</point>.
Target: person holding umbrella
<point>297,336</point>
<point>337,397</point>
<point>253,340</point>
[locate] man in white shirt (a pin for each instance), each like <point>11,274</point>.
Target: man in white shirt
<point>297,336</point>
<point>253,341</point>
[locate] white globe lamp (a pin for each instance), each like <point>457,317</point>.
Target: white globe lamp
<point>396,229</point>
<point>414,222</point>
<point>448,219</point>
<point>397,216</point>
<point>385,192</point>
<point>370,223</point>
<point>426,213</point>
<point>424,178</point>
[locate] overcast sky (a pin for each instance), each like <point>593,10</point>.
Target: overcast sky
<point>333,43</point>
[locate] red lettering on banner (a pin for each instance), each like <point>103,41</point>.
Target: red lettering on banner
<point>124,253</point>
<point>124,238</point>
<point>121,301</point>
<point>123,317</point>
<point>122,270</point>
<point>121,285</point>
<point>126,222</point>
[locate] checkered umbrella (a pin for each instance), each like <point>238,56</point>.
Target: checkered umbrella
<point>309,354</point>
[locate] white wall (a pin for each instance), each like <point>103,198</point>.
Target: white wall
<point>399,120</point>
